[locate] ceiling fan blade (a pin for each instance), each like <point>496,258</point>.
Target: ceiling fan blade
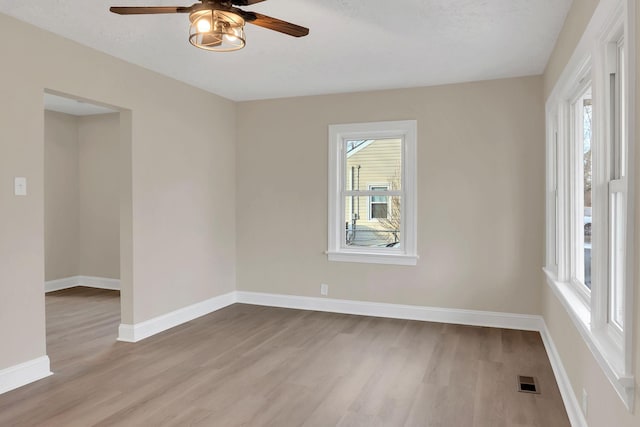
<point>275,24</point>
<point>245,2</point>
<point>146,10</point>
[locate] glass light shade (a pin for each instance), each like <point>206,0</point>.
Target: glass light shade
<point>216,30</point>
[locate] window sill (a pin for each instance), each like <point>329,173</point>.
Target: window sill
<point>607,354</point>
<point>372,257</point>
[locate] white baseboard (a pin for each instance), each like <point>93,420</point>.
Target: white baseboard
<point>24,373</point>
<point>88,281</point>
<point>59,284</point>
<point>139,331</point>
<point>142,330</point>
<point>100,283</point>
<point>571,404</point>
<point>396,311</point>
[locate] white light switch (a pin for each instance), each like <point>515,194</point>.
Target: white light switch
<point>20,186</point>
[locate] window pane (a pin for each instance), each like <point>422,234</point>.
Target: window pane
<point>555,202</point>
<point>616,297</point>
<point>581,191</point>
<point>370,163</point>
<point>621,155</point>
<point>380,229</point>
<point>587,179</point>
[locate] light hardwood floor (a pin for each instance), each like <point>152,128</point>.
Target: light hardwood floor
<point>254,366</point>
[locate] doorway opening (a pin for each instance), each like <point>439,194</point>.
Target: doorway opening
<point>86,182</point>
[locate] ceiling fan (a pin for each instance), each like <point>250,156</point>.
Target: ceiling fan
<point>218,25</point>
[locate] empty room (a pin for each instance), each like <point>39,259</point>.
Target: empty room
<point>319,213</point>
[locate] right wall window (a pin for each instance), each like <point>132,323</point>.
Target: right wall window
<point>590,123</point>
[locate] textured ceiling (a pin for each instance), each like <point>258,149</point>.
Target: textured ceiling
<point>353,45</point>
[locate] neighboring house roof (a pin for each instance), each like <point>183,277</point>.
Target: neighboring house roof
<point>354,146</point>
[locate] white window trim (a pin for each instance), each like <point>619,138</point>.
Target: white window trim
<point>406,254</point>
<point>387,186</point>
<point>613,353</point>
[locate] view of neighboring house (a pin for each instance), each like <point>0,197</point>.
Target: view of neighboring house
<point>373,166</point>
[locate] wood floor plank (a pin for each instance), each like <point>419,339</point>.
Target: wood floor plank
<point>262,366</point>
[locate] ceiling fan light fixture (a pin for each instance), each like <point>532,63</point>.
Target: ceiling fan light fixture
<point>216,30</point>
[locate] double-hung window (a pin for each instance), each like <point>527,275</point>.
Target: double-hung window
<point>589,208</point>
<point>372,192</point>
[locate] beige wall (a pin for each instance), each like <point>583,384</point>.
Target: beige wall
<point>61,220</point>
<point>180,229</point>
<point>605,407</point>
<point>480,175</point>
<point>99,208</point>
<point>82,204</point>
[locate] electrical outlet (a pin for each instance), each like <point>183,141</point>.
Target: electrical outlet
<point>584,402</point>
<point>324,289</point>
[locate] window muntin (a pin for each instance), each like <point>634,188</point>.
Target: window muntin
<point>372,192</point>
